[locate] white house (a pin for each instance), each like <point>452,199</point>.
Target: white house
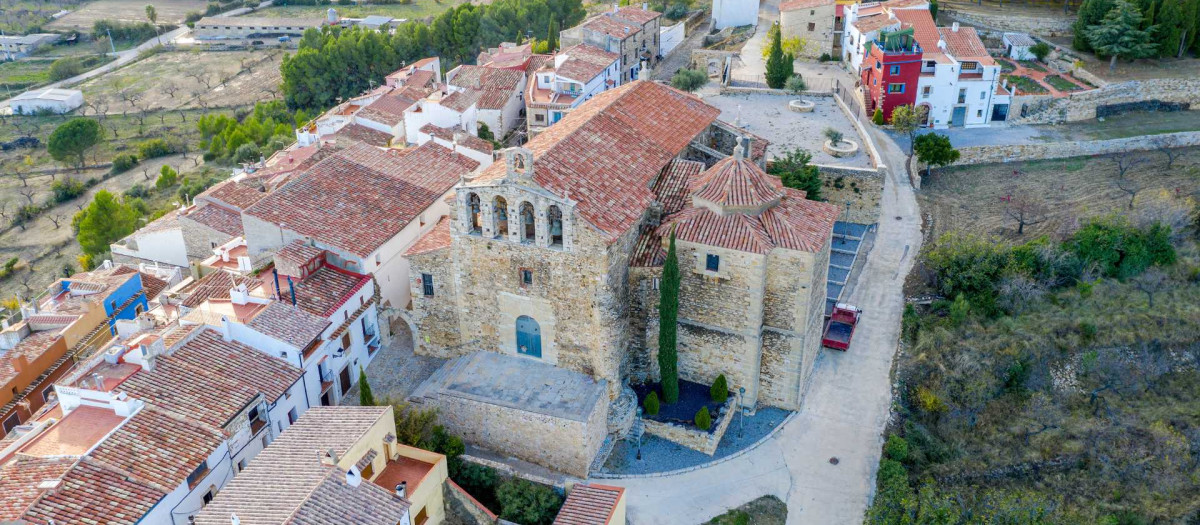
<point>734,13</point>
<point>53,100</point>
<point>453,110</point>
<point>566,80</point>
<point>1017,46</point>
<point>497,94</point>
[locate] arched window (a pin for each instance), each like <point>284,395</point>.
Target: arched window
<point>528,228</point>
<point>500,217</point>
<point>556,226</point>
<point>473,206</point>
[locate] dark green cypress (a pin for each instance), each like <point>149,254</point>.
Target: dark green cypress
<point>365,397</point>
<point>668,315</point>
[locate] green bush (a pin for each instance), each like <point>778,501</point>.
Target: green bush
<point>676,11</point>
<point>719,391</point>
<point>123,162</point>
<point>1040,50</point>
<point>1121,249</point>
<point>795,85</point>
<point>65,68</point>
<point>896,448</point>
<point>650,404</point>
<point>247,153</point>
<point>877,118</point>
<point>166,178</point>
<point>910,324</point>
<point>527,503</point>
<point>689,80</point>
<point>137,191</point>
<point>154,148</point>
<point>67,189</point>
<point>825,57</point>
<point>794,171</point>
<point>703,419</point>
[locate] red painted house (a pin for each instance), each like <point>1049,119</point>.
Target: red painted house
<point>891,70</point>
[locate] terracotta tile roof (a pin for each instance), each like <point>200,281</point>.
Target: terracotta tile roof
<point>218,218</point>
<point>466,139</point>
<point>537,61</point>
<point>589,504</point>
<point>899,5</point>
<point>606,153</point>
<point>675,182</point>
<point>792,5</point>
<point>289,324</point>
<point>965,44</point>
<point>158,448</point>
<point>874,23</point>
<point>460,101</point>
<point>737,183</point>
<point>925,31</point>
<point>294,255</point>
<point>210,380</point>
<point>32,347</point>
<point>19,480</point>
<point>175,333</point>
<point>506,57</point>
<point>94,493</point>
<point>480,77</point>
<point>636,14</point>
<point>795,224</point>
<point>152,285</point>
<point>389,108</point>
<point>585,62</point>
<point>605,24</point>
<point>435,239</point>
<point>363,134</point>
<point>326,289</point>
<point>215,285</point>
<point>234,194</point>
<point>362,197</point>
<point>419,78</point>
<point>288,484</point>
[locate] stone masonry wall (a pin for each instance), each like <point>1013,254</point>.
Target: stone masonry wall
<point>436,318</point>
<point>199,239</point>
<point>694,438</point>
<point>1059,150</point>
<point>1082,105</point>
<point>1047,26</point>
<point>462,508</point>
<point>559,444</point>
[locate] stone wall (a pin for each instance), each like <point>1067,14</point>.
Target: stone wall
<point>692,437</point>
<point>560,444</point>
<point>1046,26</point>
<point>1083,105</point>
<point>795,23</point>
<point>199,239</point>
<point>463,509</point>
<point>1059,150</point>
<point>864,203</point>
<point>436,317</point>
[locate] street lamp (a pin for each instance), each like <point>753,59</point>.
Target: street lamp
<point>639,445</point>
<point>742,403</point>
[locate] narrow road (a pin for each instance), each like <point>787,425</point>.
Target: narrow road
<point>844,413</point>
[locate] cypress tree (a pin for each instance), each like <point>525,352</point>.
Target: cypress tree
<point>668,315</point>
<point>365,397</point>
<point>552,36</point>
<point>1091,12</point>
<point>1170,28</point>
<point>779,64</point>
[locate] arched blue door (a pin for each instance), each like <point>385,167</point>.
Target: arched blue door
<point>529,337</point>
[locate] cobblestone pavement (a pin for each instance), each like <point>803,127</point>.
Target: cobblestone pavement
<point>681,56</point>
<point>396,371</point>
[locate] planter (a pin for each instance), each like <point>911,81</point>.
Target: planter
<point>802,106</point>
<point>846,148</point>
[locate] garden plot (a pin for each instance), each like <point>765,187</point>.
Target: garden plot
<point>185,80</point>
<point>169,12</point>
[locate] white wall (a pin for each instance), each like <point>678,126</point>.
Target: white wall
<point>734,13</point>
<point>163,246</point>
<point>392,271</point>
<point>179,504</point>
<point>669,37</point>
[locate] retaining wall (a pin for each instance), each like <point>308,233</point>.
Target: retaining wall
<point>1058,150</point>
<point>464,509</point>
<point>1082,105</point>
<point>1009,22</point>
<point>691,437</point>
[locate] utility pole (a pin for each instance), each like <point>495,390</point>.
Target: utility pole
<point>111,45</point>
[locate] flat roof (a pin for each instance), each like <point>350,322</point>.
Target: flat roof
<point>48,94</point>
<point>519,383</point>
<point>74,434</point>
<point>410,470</point>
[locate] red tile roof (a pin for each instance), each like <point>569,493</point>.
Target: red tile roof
<point>675,182</point>
<point>215,285</point>
<point>289,324</point>
<point>363,134</point>
<point>32,347</point>
<point>924,28</point>
<point>210,380</point>
<point>636,14</point>
<point>606,153</point>
<point>589,504</point>
<point>874,23</point>
<point>585,62</point>
<point>466,139</point>
<point>218,218</point>
<point>19,481</point>
<point>792,5</point>
<point>965,44</point>
<point>325,290</point>
<point>362,197</point>
<point>389,108</point>
<point>460,101</point>
<point>158,447</point>
<point>234,194</point>
<point>795,224</point>
<point>435,239</point>
<point>480,77</point>
<point>94,493</point>
<point>737,183</point>
<point>152,285</point>
<point>605,24</point>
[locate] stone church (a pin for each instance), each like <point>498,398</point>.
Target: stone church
<point>555,254</point>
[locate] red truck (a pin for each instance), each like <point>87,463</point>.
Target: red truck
<point>839,328</point>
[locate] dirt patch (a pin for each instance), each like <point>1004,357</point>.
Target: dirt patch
<point>973,198</point>
<point>417,9</point>
<point>187,80</point>
<point>767,510</point>
<point>82,19</point>
<point>857,197</point>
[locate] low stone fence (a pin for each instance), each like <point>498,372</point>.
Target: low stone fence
<point>1008,22</point>
<point>1059,150</point>
<point>465,508</point>
<point>1175,93</point>
<point>691,437</point>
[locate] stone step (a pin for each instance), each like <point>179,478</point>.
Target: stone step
<point>602,455</point>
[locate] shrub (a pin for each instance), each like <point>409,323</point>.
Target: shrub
<point>1087,330</point>
<point>824,57</point>
<point>1120,249</point>
<point>166,178</point>
<point>794,170</point>
<point>67,189</point>
<point>877,118</point>
<point>247,153</point>
<point>154,148</point>
<point>1040,50</point>
<point>479,481</point>
<point>123,162</point>
<point>650,404</point>
<point>929,401</point>
<point>896,448</point>
<point>676,11</point>
<point>719,391</point>
<point>86,262</point>
<point>703,419</point>
<point>689,80</point>
<point>527,503</point>
<point>910,324</point>
<point>65,68</point>
<point>960,309</point>
<point>834,136</point>
<point>137,191</point>
<point>795,85</point>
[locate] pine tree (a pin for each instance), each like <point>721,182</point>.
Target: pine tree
<point>779,64</point>
<point>668,315</point>
<point>1191,24</point>
<point>1170,28</point>
<point>365,397</point>
<point>1091,12</point>
<point>1120,35</point>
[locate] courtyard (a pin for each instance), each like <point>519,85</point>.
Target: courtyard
<point>768,116</point>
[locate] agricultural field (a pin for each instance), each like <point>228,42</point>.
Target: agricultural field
<point>188,80</point>
<point>19,75</point>
<point>416,10</point>
<point>26,16</point>
<point>1072,189</point>
<point>81,19</point>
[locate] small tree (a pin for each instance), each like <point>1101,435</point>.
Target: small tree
<point>152,16</point>
<point>877,118</point>
<point>1026,210</point>
<point>1151,282</point>
<point>779,64</point>
<point>719,391</point>
<point>72,140</point>
<point>105,221</point>
<point>689,80</point>
<point>934,149</point>
<point>1120,35</point>
<point>1041,50</point>
<point>668,312</point>
<point>795,85</point>
<point>835,137</point>
<point>651,404</point>
<point>365,396</point>
<point>166,178</point>
<point>703,419</point>
<point>896,448</point>
<point>907,119</point>
<point>525,502</point>
<point>794,170</point>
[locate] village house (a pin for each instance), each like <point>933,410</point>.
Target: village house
<point>552,258</point>
<point>813,22</point>
<point>336,465</point>
<point>376,117</point>
<point>734,13</point>
<point>565,80</point>
<point>46,100</point>
<point>903,58</point>
<point>497,94</point>
<point>13,47</point>
<point>508,55</point>
<point>632,33</point>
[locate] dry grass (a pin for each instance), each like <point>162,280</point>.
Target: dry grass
<point>152,78</point>
<point>169,12</point>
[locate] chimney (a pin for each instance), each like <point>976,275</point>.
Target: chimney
<point>402,489</point>
<point>329,458</point>
<point>226,330</point>
<point>239,294</point>
<point>954,27</point>
<point>19,362</point>
<point>352,477</point>
<point>645,6</point>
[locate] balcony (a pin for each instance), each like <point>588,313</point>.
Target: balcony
<point>256,426</point>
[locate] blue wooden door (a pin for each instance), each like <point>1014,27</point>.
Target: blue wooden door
<point>959,117</point>
<point>529,337</point>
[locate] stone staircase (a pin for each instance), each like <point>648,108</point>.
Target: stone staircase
<point>847,238</point>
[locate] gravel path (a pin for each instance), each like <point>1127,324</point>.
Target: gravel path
<point>396,371</point>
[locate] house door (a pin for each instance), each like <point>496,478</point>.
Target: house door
<point>1000,112</point>
<point>959,117</point>
<point>529,337</point>
<point>344,379</point>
